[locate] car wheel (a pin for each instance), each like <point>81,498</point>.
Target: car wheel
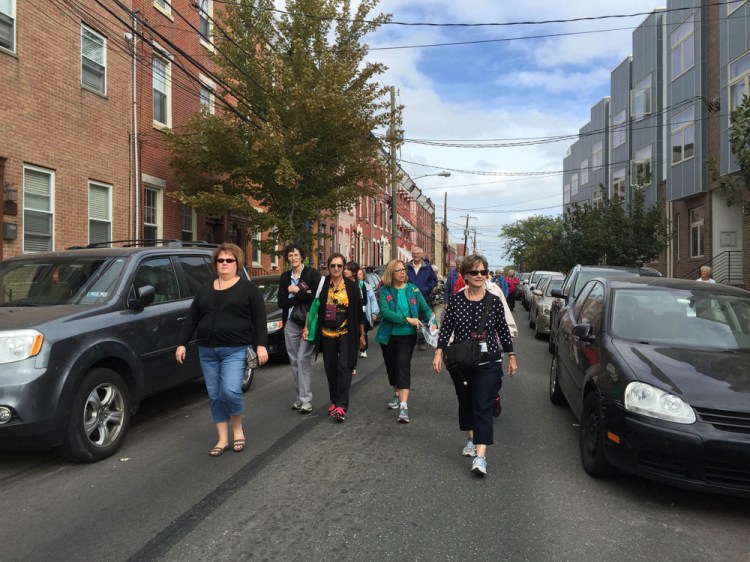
<point>99,418</point>
<point>555,394</point>
<point>537,334</point>
<point>247,379</point>
<point>551,344</point>
<point>591,438</point>
<point>531,322</point>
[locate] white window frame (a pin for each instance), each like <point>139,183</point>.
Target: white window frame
<point>165,7</point>
<point>641,166</point>
<point>682,125</point>
<point>566,194</point>
<point>208,86</point>
<point>619,129</point>
<point>158,211</point>
<point>189,212</point>
<point>164,58</point>
<point>94,63</point>
<point>739,80</point>
<point>275,257</point>
<point>641,99</point>
<point>618,183</point>
<point>207,42</point>
<point>733,6</point>
<point>597,153</point>
<point>697,225</point>
<point>683,39</point>
<point>255,250</point>
<point>598,201</point>
<point>584,171</point>
<point>108,220</point>
<point>11,16</point>
<point>49,212</point>
<point>574,184</point>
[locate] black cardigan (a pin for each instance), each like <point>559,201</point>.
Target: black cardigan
<point>354,317</point>
<point>309,276</point>
<point>235,317</point>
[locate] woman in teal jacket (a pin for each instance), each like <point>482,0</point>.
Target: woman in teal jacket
<point>401,306</point>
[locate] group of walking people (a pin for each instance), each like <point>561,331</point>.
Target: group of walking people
<point>332,315</point>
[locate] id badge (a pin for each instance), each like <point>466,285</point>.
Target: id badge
<point>330,313</point>
<point>483,347</point>
<point>481,339</point>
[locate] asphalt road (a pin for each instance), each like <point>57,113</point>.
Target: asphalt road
<point>368,489</point>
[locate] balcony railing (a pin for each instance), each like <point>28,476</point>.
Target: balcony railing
<point>726,267</point>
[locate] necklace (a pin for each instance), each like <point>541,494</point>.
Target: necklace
<point>475,297</point>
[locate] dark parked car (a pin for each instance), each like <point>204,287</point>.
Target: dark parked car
<point>269,288</point>
<point>657,371</point>
<point>85,334</point>
<point>577,278</point>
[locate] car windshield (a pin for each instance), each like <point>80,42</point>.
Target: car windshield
<point>58,280</point>
<point>682,318</point>
<point>269,290</point>
<point>555,283</point>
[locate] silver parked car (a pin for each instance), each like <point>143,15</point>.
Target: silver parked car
<point>542,304</point>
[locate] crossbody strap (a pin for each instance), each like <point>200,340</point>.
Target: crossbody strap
<point>485,313</point>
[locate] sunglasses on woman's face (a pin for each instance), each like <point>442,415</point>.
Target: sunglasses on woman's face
<point>399,270</point>
<point>225,260</point>
<point>336,265</point>
<point>475,272</point>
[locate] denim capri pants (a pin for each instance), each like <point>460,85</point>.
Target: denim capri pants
<point>223,370</point>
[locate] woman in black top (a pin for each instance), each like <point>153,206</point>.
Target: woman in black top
<point>477,390</point>
<point>341,333</point>
<point>229,315</point>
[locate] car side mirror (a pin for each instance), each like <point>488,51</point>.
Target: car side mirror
<point>145,296</point>
<point>583,332</point>
<point>558,294</point>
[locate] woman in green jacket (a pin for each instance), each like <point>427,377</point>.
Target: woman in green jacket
<point>401,305</point>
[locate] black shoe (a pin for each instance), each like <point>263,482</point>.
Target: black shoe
<point>497,407</point>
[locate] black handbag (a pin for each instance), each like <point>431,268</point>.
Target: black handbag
<point>463,356</point>
<point>299,314</point>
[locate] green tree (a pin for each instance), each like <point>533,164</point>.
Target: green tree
<point>736,184</point>
<point>531,242</point>
<point>298,137</point>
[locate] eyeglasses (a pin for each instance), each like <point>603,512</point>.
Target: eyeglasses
<point>475,272</point>
<point>399,270</point>
<point>336,265</point>
<point>225,260</point>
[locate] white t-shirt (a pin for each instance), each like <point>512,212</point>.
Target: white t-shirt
<point>709,280</point>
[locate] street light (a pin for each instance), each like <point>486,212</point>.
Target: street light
<point>442,174</point>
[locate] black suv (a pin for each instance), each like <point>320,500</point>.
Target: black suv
<point>574,281</point>
<point>85,334</point>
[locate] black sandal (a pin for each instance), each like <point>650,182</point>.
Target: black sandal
<point>218,451</point>
<point>239,445</point>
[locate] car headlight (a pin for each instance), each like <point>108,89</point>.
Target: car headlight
<point>650,401</point>
<point>17,345</point>
<point>273,326</point>
<point>545,310</point>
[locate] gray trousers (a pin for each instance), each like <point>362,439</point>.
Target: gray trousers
<point>300,358</point>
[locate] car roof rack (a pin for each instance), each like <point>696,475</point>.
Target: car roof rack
<point>144,242</point>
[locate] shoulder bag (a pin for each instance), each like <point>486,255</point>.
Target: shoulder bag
<point>463,356</point>
<point>312,314</point>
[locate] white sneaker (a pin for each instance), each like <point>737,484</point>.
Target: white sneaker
<point>479,466</point>
<point>305,408</point>
<point>297,405</point>
<point>469,450</point>
<point>363,354</point>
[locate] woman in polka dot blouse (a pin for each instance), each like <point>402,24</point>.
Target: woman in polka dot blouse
<point>476,393</point>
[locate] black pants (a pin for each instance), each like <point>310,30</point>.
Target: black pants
<point>511,301</point>
<point>336,364</point>
<point>397,358</point>
<point>475,401</point>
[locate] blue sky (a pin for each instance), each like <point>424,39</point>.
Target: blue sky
<point>499,90</point>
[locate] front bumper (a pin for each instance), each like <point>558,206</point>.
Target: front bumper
<point>699,457</point>
<point>542,323</point>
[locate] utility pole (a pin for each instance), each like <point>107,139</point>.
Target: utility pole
<point>466,232</point>
<point>445,234</point>
<point>394,179</point>
<point>474,246</point>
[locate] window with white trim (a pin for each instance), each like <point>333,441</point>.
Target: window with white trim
<point>619,132</point>
<point>618,183</point>
<point>598,200</point>
<point>255,254</point>
<point>574,185</point>
<point>93,60</point>
<point>696,232</point>
<point>683,136</point>
<point>206,12</point>
<point>163,6</point>
<point>188,223</point>
<point>566,194</point>
<point>683,48</point>
<point>100,212</point>
<point>597,156</point>
<point>8,25</point>
<point>151,213</point>
<point>739,80</point>
<point>206,95</point>
<point>162,86</point>
<point>640,98</point>
<point>733,5</point>
<point>585,172</point>
<point>38,209</point>
<point>640,173</point>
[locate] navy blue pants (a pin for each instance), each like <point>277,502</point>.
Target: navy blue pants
<point>475,400</point>
<point>397,355</point>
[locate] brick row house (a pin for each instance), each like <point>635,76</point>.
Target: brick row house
<point>89,88</point>
<point>666,118</point>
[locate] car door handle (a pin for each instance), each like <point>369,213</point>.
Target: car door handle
<point>181,318</point>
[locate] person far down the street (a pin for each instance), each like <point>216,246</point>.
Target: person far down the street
<point>477,388</point>
<point>340,333</point>
<point>421,275</point>
<point>229,315</point>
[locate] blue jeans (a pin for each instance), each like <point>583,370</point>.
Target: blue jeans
<point>223,369</point>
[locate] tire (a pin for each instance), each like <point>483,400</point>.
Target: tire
<point>551,344</point>
<point>555,394</point>
<point>531,322</point>
<point>99,418</point>
<point>247,379</point>
<point>537,334</point>
<point>591,438</point>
